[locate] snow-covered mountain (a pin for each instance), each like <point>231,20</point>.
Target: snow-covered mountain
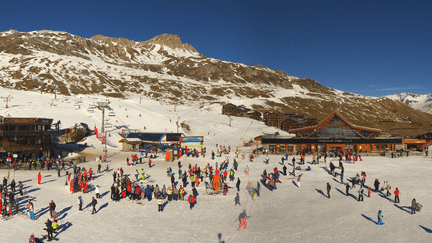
<point>171,72</point>
<point>416,101</point>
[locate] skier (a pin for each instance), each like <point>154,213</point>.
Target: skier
<point>347,187</point>
<point>396,193</point>
<point>369,191</point>
<point>20,187</point>
<point>80,203</point>
<point>237,200</point>
<point>191,200</point>
<point>284,168</point>
<point>31,210</point>
<point>413,206</point>
<point>380,216</point>
<point>258,189</point>
<point>94,202</point>
<point>194,192</point>
<point>242,219</point>
<point>39,178</point>
<point>49,229</point>
<point>12,185</point>
<point>52,207</point>
<point>360,194</point>
<point>160,204</point>
<point>32,239</point>
<point>298,180</point>
<point>328,190</point>
<point>376,184</point>
<point>97,191</point>
<point>388,187</point>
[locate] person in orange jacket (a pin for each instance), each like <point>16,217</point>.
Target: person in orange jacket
<point>191,200</point>
<point>39,178</point>
<point>369,191</point>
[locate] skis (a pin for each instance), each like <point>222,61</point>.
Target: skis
<point>46,237</point>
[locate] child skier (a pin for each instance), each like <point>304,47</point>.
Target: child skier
<point>380,216</point>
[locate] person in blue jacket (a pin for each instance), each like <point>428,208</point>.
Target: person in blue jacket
<point>380,216</point>
<point>148,193</point>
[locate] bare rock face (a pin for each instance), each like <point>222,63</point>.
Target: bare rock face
<point>111,40</point>
<point>171,41</point>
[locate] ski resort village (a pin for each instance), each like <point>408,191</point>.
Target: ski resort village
<point>107,139</point>
<point>134,170</point>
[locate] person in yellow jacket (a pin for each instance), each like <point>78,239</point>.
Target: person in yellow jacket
<point>181,192</point>
<point>169,193</point>
<point>55,225</point>
<point>192,180</point>
<point>143,174</point>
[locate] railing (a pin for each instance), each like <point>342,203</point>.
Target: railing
<point>427,145</point>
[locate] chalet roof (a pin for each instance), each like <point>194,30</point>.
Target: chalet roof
<point>303,129</point>
<point>298,120</point>
<point>428,132</point>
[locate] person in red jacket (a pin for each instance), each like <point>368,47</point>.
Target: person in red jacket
<point>128,189</point>
<point>369,191</point>
<point>39,178</point>
<point>32,239</point>
<point>85,186</point>
<point>396,193</point>
<point>191,200</point>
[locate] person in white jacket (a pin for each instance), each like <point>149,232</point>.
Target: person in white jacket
<point>160,204</point>
<point>97,190</point>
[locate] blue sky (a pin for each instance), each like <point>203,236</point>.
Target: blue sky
<point>366,47</point>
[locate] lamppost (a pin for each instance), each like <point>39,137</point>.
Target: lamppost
<point>105,144</point>
<point>102,106</point>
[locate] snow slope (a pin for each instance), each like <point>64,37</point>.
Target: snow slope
<point>288,214</point>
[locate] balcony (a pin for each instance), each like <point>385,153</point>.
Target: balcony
<point>22,133</point>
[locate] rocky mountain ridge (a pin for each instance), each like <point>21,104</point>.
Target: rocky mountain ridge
<point>416,101</point>
<point>170,71</point>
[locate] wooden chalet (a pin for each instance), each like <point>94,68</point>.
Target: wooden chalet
<point>333,134</point>
<point>25,138</point>
<point>240,111</point>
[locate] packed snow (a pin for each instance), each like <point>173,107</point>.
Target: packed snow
<point>286,214</point>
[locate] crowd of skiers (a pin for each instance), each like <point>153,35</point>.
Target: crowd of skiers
<point>125,187</point>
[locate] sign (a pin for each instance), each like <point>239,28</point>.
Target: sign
<point>186,139</point>
<point>19,120</point>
